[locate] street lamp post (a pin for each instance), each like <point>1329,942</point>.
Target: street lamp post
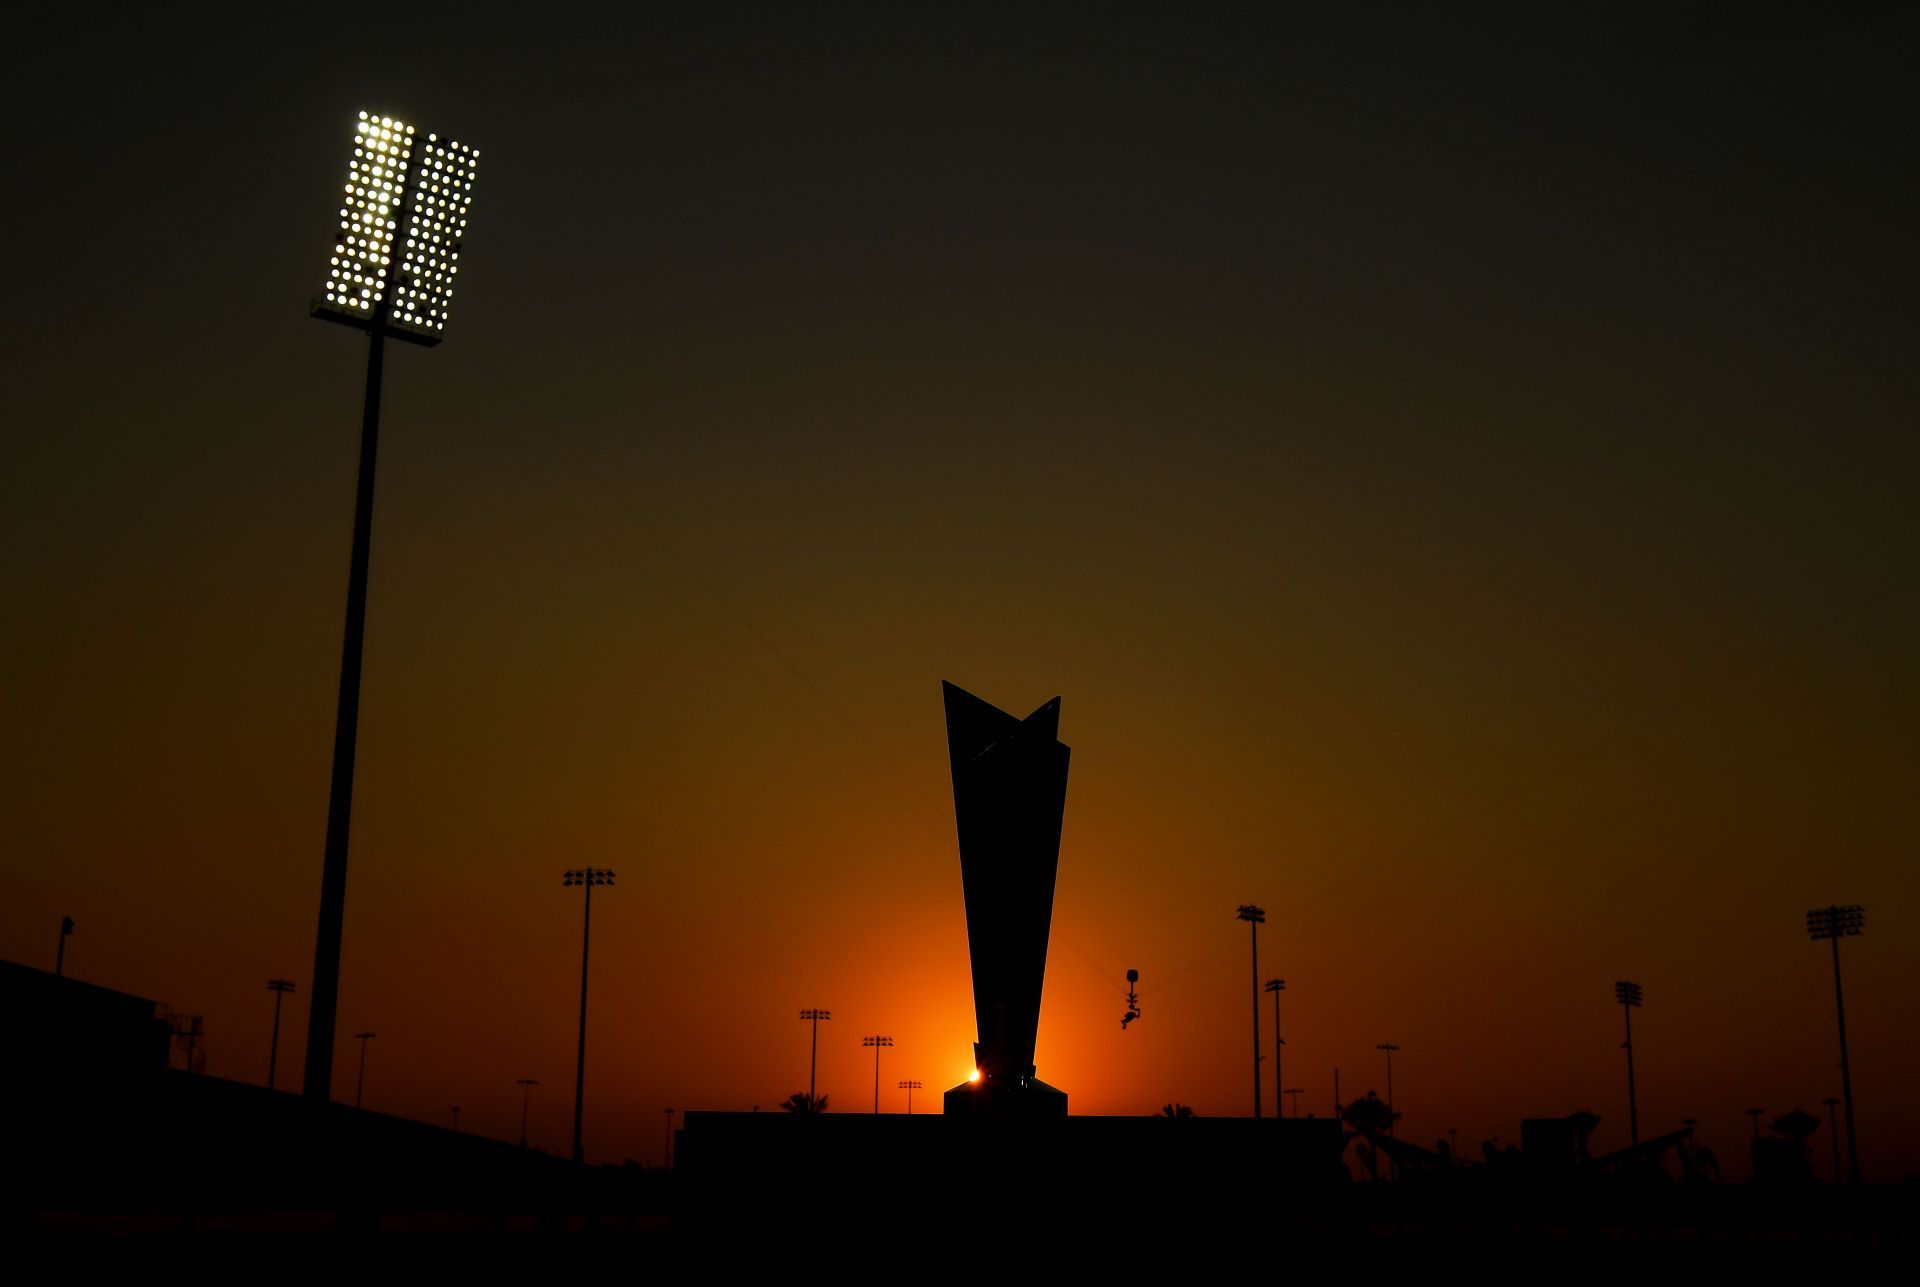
<point>526,1085</point>
<point>909,1087</point>
<point>1834,924</point>
<point>813,1057</point>
<point>367,290</point>
<point>1628,996</point>
<point>1255,917</point>
<point>1293,1093</point>
<point>360,1085</point>
<point>878,1043</point>
<point>60,953</point>
<point>1277,986</point>
<point>587,878</point>
<point>279,988</point>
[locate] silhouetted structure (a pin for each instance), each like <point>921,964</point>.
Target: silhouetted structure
<point>876,1044</point>
<point>1277,986</point>
<point>1834,924</point>
<point>814,1017</point>
<point>60,952</point>
<point>1009,798</point>
<point>279,988</point>
<point>1627,995</point>
<point>526,1085</point>
<point>587,878</point>
<point>360,1084</point>
<point>386,283</point>
<point>1255,917</point>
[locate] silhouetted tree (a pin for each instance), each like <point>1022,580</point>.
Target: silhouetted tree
<point>1176,1110</point>
<point>797,1103</point>
<point>1797,1125</point>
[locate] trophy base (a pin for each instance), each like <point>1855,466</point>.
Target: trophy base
<point>1026,1099</point>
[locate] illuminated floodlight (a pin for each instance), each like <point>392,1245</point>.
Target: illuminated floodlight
<point>403,217</point>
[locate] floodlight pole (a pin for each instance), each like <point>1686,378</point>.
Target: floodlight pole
<point>526,1085</point>
<point>60,956</point>
<point>1628,995</point>
<point>1846,1072</point>
<point>1253,916</point>
<point>1834,924</point>
<point>1277,986</point>
<point>346,726</point>
<point>814,1016</point>
<point>279,988</point>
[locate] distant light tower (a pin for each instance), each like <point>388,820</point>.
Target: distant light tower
<point>1277,986</point>
<point>813,1058</point>
<point>1836,923</point>
<point>368,291</point>
<point>1755,1114</point>
<point>1293,1093</point>
<point>909,1087</point>
<point>360,1086</point>
<point>669,1139</point>
<point>60,953</point>
<point>1833,1133</point>
<point>526,1085</point>
<point>1389,1047</point>
<point>1255,917</point>
<point>587,878</point>
<point>878,1043</point>
<point>1628,995</point>
<point>279,988</point>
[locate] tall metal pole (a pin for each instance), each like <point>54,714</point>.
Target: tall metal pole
<point>877,1043</point>
<point>1277,986</point>
<point>1833,1133</point>
<point>360,1086</point>
<point>333,874</point>
<point>1846,1072</point>
<point>1628,995</point>
<point>814,1016</point>
<point>580,1064</point>
<point>1253,916</point>
<point>1253,928</point>
<point>60,954</point>
<point>1633,1103</point>
<point>526,1085</point>
<point>279,988</point>
<point>1835,923</point>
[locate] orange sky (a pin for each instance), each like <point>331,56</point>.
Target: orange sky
<point>1493,556</point>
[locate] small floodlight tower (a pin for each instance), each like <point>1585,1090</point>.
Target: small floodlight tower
<point>403,216</point>
<point>1833,924</point>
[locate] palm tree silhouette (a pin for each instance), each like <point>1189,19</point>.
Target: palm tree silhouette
<point>797,1103</point>
<point>1176,1110</point>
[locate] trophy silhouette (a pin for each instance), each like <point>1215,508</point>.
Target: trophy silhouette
<point>1009,794</point>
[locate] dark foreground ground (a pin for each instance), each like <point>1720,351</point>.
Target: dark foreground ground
<point>192,1153</point>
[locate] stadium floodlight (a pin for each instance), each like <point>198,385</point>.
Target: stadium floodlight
<point>396,256</point>
<point>398,174</point>
<point>1833,924</point>
<point>1627,996</point>
<point>1255,917</point>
